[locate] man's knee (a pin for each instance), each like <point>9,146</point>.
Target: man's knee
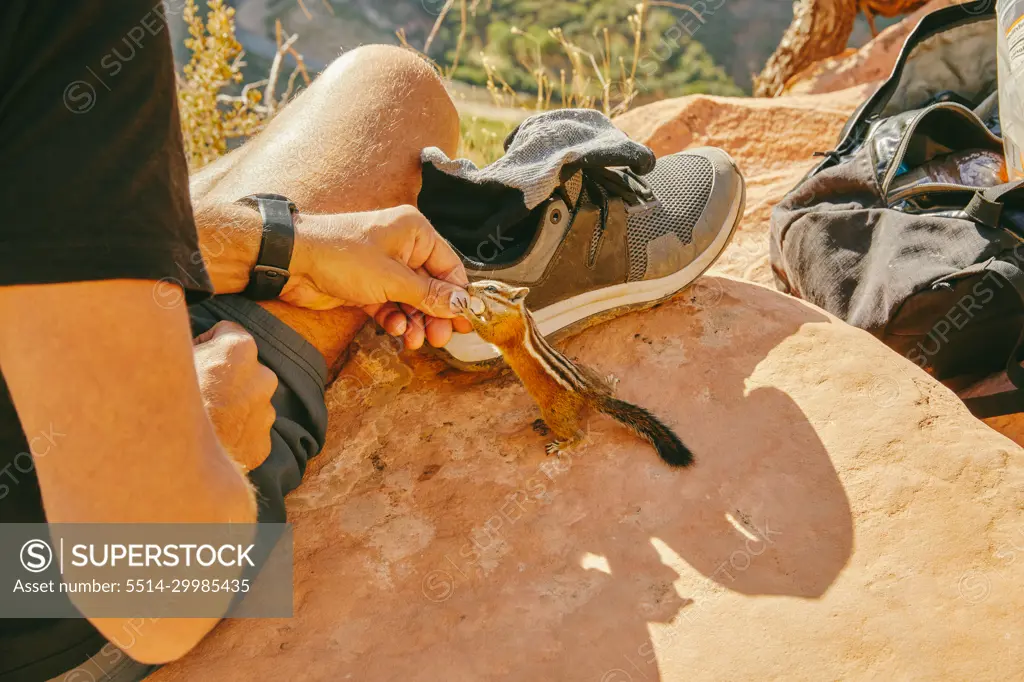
<point>399,66</point>
<point>403,71</point>
<point>387,57</point>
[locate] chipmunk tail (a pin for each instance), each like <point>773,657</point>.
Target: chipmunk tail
<point>650,428</point>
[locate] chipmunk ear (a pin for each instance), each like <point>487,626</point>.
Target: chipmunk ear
<point>519,293</point>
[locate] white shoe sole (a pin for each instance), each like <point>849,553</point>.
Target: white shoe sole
<point>469,351</point>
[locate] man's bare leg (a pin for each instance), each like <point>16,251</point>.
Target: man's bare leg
<point>349,143</point>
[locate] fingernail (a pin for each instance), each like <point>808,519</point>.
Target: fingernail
<point>459,301</point>
<point>400,328</point>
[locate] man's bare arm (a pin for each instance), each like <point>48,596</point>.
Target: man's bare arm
<point>229,240</point>
<point>112,371</point>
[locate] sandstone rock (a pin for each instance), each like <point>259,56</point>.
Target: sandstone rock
<point>846,519</point>
<point>869,64</point>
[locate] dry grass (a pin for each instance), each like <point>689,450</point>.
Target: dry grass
<point>481,139</point>
<point>215,64</point>
<point>594,79</point>
<point>210,117</point>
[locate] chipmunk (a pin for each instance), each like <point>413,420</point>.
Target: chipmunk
<point>560,387</point>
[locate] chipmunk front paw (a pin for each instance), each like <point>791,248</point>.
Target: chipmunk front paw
<point>554,448</point>
<point>557,447</point>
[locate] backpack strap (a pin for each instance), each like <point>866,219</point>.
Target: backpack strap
<point>986,207</point>
<point>1008,402</point>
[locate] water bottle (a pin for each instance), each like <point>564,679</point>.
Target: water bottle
<point>970,167</point>
<point>1010,44</point>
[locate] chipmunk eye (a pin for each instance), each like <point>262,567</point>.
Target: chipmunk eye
<point>491,288</point>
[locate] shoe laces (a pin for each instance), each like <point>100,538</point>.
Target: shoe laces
<point>604,184</point>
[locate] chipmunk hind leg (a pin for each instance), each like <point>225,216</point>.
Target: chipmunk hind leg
<point>563,420</point>
<point>601,383</point>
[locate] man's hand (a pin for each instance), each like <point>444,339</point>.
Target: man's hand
<point>377,260</point>
<point>236,391</point>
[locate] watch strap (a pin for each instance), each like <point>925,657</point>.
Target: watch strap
<point>270,274</point>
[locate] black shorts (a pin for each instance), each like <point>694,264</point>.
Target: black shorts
<point>301,424</point>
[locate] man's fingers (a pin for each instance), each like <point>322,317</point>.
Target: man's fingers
<point>443,333</point>
<point>395,323</point>
<point>266,383</point>
<point>442,299</point>
<point>391,319</point>
<point>416,332</point>
<point>435,255</point>
<point>225,331</point>
<point>439,332</point>
<point>426,294</point>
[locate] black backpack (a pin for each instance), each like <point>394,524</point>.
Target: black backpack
<point>933,270</point>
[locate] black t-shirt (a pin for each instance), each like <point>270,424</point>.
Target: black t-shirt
<point>94,186</point>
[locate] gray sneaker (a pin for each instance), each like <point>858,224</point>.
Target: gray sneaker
<point>610,242</point>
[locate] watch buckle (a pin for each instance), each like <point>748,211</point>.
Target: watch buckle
<point>270,271</point>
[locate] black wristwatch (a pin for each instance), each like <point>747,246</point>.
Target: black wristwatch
<point>270,273</point>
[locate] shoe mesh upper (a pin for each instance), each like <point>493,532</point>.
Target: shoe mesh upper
<point>682,183</point>
<point>595,241</point>
<point>573,187</point>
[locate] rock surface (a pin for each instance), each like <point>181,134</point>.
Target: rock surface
<point>847,519</point>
